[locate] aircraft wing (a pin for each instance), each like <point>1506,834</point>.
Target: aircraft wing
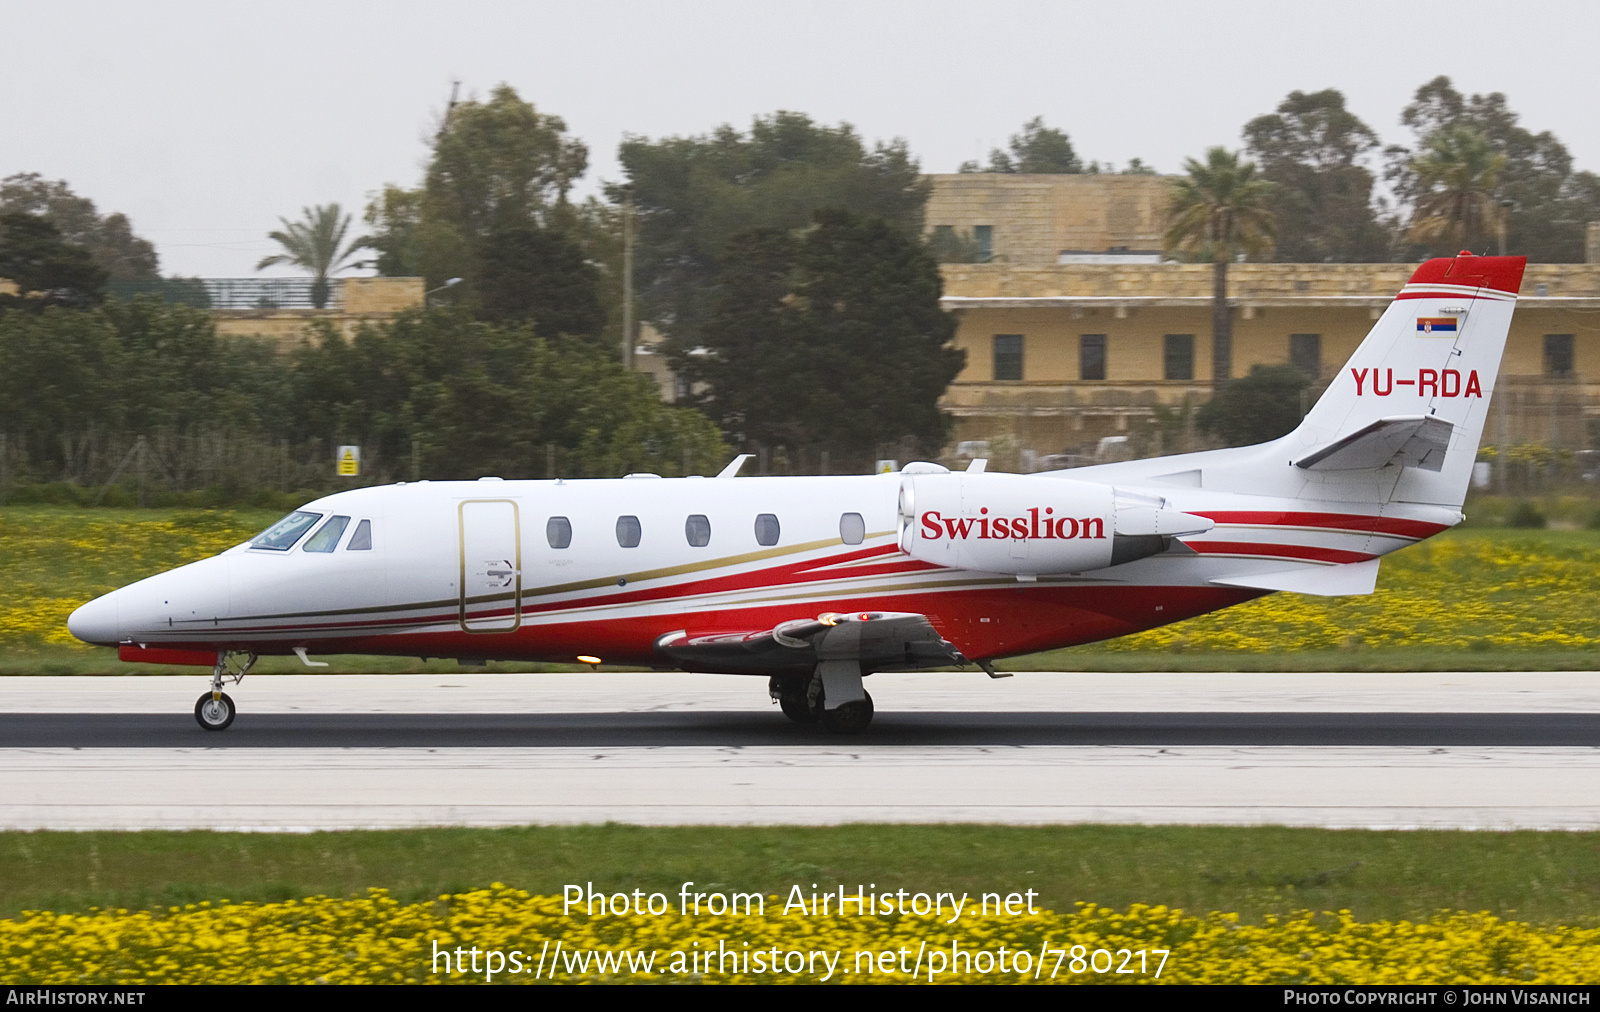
<point>879,641</point>
<point>1411,440</point>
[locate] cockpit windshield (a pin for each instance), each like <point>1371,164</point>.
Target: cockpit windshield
<point>281,536</point>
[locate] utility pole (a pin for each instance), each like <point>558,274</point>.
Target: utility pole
<point>627,279</point>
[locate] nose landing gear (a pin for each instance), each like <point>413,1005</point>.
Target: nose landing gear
<point>214,711</point>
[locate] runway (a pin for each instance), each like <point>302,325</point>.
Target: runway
<point>1489,750</point>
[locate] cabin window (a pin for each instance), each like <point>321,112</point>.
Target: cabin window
<point>698,530</point>
<point>767,529</point>
<point>628,532</point>
<point>361,540</point>
<point>852,529</point>
<point>281,536</point>
<point>327,537</point>
<point>558,531</point>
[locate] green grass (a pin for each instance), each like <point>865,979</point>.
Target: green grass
<point>1540,877</point>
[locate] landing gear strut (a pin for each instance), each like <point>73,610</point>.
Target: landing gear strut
<point>214,711</point>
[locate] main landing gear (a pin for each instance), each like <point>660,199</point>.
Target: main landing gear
<point>806,700</point>
<point>214,711</point>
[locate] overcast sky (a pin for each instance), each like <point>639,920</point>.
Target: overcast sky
<point>205,122</point>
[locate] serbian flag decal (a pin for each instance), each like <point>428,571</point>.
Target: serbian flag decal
<point>1436,326</point>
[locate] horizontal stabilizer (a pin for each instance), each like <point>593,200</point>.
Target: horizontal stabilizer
<point>1409,440</point>
<point>1324,581</point>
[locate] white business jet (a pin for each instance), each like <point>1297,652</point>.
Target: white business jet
<point>818,582</point>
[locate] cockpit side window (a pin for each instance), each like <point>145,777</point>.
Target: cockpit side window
<point>281,536</point>
<point>361,540</point>
<point>327,537</point>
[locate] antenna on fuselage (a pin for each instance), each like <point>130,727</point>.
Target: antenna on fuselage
<point>732,470</point>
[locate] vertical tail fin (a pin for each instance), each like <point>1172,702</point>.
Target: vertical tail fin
<point>1416,391</point>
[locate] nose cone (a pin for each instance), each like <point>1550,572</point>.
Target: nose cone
<point>97,622</point>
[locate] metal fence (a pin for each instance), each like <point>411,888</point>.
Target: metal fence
<point>237,293</point>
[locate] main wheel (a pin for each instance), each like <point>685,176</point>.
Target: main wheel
<point>214,714</point>
<point>849,718</point>
<point>791,695</point>
<point>795,707</point>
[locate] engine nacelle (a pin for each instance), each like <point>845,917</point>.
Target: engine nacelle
<point>1012,523</point>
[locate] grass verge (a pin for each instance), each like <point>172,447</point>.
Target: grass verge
<point>1543,878</point>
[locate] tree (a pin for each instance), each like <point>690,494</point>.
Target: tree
<point>47,270</point>
<point>109,240</point>
<point>831,340</point>
<point>1038,149</point>
<point>317,243</point>
<point>1545,203</point>
<point>499,174</point>
<point>1312,148</point>
<point>1218,211</point>
<point>1456,201</point>
<point>539,275</point>
<point>695,194</point>
<point>1256,408</point>
<point>467,398</point>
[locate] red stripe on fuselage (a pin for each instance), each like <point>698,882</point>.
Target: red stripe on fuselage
<point>1255,548</point>
<point>1354,522</point>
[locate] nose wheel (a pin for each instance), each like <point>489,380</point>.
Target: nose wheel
<point>214,711</point>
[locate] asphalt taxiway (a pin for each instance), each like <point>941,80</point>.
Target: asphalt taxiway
<point>1478,750</point>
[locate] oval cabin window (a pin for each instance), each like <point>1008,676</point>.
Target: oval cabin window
<point>852,529</point>
<point>628,532</point>
<point>767,529</point>
<point>558,531</point>
<point>697,529</point>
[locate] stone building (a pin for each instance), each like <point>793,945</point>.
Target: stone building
<point>1077,334</point>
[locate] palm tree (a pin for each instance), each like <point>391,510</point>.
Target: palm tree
<point>1457,173</point>
<point>315,243</point>
<point>1218,211</point>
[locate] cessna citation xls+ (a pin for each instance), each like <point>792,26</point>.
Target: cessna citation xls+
<point>816,582</point>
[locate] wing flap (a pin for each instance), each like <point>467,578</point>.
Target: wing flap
<point>880,641</point>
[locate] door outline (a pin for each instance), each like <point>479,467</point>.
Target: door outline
<point>461,556</point>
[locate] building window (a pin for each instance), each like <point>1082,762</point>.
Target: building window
<point>1092,357</point>
<point>983,236</point>
<point>1558,355</point>
<point>1008,356</point>
<point>1177,356</point>
<point>1305,354</point>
